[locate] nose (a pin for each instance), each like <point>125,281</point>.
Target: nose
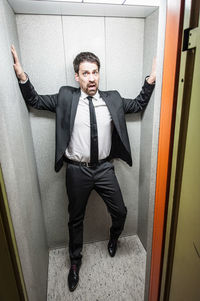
<point>91,77</point>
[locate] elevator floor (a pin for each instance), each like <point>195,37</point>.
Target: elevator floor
<point>102,278</point>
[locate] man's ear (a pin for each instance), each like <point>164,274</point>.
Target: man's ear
<point>77,77</point>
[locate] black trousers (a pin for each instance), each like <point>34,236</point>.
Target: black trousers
<point>80,181</point>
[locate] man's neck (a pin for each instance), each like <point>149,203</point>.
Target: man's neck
<point>84,95</point>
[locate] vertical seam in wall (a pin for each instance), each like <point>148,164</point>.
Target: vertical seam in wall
<point>144,30</point>
<point>65,57</point>
<point>105,47</point>
<point>139,172</point>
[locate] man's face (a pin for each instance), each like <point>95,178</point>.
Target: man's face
<point>88,77</point>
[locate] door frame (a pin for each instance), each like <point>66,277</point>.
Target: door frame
<point>171,66</point>
<point>13,284</point>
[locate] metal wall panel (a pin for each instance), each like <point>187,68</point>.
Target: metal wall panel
<point>124,63</point>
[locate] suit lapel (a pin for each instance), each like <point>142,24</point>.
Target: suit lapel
<point>112,109</point>
<point>75,100</point>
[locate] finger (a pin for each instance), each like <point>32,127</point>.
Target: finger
<point>13,48</point>
<point>15,56</point>
<point>154,64</point>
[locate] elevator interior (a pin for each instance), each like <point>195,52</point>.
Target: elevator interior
<point>47,37</point>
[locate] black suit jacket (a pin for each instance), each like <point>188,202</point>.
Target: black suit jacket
<point>65,103</point>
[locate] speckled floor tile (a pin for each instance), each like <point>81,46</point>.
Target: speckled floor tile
<point>102,278</point>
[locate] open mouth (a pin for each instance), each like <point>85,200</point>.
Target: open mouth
<point>91,86</point>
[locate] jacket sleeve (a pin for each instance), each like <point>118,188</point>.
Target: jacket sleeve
<point>40,102</point>
<point>140,102</point>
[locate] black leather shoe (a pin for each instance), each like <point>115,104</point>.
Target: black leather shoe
<point>112,247</point>
<point>73,277</point>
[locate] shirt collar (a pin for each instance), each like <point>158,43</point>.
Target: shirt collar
<point>84,95</point>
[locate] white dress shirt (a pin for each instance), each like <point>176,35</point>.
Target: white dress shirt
<point>79,146</point>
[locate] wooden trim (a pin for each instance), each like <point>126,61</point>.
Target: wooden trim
<point>173,37</point>
<point>10,245</point>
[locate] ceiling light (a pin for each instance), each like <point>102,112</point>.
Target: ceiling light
<point>144,2</point>
<point>104,1</point>
<point>60,0</point>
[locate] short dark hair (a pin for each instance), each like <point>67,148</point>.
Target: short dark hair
<point>85,56</point>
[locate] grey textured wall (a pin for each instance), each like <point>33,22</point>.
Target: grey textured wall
<point>147,123</point>
<point>19,167</point>
<point>48,45</point>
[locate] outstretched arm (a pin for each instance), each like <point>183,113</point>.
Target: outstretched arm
<point>40,102</point>
<point>140,102</point>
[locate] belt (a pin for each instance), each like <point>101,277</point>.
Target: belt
<point>87,164</point>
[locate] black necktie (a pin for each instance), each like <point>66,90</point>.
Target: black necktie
<point>93,133</point>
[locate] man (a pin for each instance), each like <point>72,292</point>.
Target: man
<point>90,131</point>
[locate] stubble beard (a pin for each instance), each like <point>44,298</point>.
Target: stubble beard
<point>92,91</point>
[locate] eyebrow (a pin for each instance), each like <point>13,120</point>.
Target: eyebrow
<point>89,71</point>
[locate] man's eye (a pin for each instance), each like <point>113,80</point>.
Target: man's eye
<point>85,73</point>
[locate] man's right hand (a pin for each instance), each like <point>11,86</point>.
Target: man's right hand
<point>17,66</point>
